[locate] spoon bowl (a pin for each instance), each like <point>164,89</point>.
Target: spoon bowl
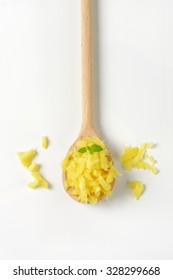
<point>83,134</point>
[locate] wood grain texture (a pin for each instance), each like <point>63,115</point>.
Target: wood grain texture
<point>87,66</point>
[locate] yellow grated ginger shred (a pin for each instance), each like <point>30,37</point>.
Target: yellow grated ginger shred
<point>137,187</point>
<point>39,181</point>
<point>26,157</point>
<point>33,167</point>
<point>136,157</point>
<point>89,176</point>
<point>44,142</point>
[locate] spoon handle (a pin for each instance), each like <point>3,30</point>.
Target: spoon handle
<point>87,64</point>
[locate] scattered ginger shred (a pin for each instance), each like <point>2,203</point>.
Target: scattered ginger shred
<point>137,188</point>
<point>33,167</point>
<point>26,157</point>
<point>39,181</point>
<point>136,157</point>
<point>89,175</point>
<point>44,142</point>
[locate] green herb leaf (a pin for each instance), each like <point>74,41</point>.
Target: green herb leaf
<point>92,149</point>
<point>95,148</point>
<point>83,150</point>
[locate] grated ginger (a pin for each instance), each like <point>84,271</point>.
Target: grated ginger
<point>33,167</point>
<point>89,173</point>
<point>26,157</point>
<point>44,142</point>
<point>137,188</point>
<point>136,157</point>
<point>39,181</point>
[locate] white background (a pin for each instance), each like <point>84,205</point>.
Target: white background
<point>40,93</point>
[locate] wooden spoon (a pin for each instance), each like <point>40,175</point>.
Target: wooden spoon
<point>87,128</point>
